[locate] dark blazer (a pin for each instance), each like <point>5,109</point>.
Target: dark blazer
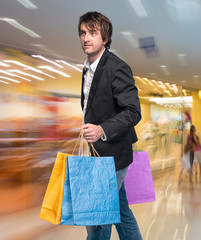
<point>113,104</point>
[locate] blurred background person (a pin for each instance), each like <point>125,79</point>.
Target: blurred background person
<point>194,142</point>
<point>185,163</point>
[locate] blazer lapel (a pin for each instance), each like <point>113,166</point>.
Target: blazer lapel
<point>97,76</point>
<point>82,90</point>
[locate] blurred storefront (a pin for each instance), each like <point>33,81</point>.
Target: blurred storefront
<point>166,119</point>
<point>41,115</point>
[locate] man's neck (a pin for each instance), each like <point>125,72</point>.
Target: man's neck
<point>93,58</point>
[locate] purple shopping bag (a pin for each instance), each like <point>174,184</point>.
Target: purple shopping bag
<point>138,181</point>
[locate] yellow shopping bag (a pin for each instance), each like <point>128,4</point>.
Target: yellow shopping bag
<point>52,203</point>
<point>51,209</point>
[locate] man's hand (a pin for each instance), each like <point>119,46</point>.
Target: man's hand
<point>92,132</point>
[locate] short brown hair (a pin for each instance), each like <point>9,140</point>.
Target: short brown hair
<point>91,19</point>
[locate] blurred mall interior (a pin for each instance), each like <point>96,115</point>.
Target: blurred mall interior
<point>40,114</point>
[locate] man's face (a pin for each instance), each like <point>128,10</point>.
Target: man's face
<point>91,41</point>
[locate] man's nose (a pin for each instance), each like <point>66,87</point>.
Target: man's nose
<point>86,37</point>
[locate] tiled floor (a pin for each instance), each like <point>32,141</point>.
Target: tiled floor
<point>175,215</point>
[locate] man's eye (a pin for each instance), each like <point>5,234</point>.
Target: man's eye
<point>82,33</point>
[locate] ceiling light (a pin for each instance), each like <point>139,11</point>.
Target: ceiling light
<point>175,88</point>
<point>7,73</point>
<point>47,60</point>
<point>195,77</point>
<point>4,64</point>
<point>172,100</point>
<point>38,71</point>
<point>70,65</point>
<point>4,82</point>
<point>182,59</point>
<point>165,70</point>
<point>17,25</point>
<point>54,70</point>
<point>26,67</point>
<point>10,79</point>
<point>184,92</point>
<point>162,85</point>
<point>138,8</point>
<point>131,38</point>
<point>27,4</point>
<point>169,86</point>
<point>16,62</point>
<point>80,65</point>
<point>155,89</point>
<point>13,75</point>
<point>149,82</point>
<point>168,92</point>
<point>27,74</point>
<point>156,82</point>
<point>143,81</point>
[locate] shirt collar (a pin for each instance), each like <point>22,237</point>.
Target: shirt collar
<point>94,65</point>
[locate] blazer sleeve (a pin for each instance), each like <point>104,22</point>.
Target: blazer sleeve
<point>126,97</point>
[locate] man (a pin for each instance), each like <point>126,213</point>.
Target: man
<point>111,109</point>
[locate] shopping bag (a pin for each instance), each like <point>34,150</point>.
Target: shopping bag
<point>138,181</point>
<point>90,192</point>
<point>52,202</point>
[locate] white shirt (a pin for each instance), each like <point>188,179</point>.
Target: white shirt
<point>88,78</point>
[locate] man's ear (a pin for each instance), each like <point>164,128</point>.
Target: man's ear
<point>105,42</point>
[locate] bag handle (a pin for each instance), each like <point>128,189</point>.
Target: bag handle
<point>94,151</point>
<point>80,140</point>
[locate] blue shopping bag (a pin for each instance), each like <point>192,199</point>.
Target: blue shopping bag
<point>90,192</point>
